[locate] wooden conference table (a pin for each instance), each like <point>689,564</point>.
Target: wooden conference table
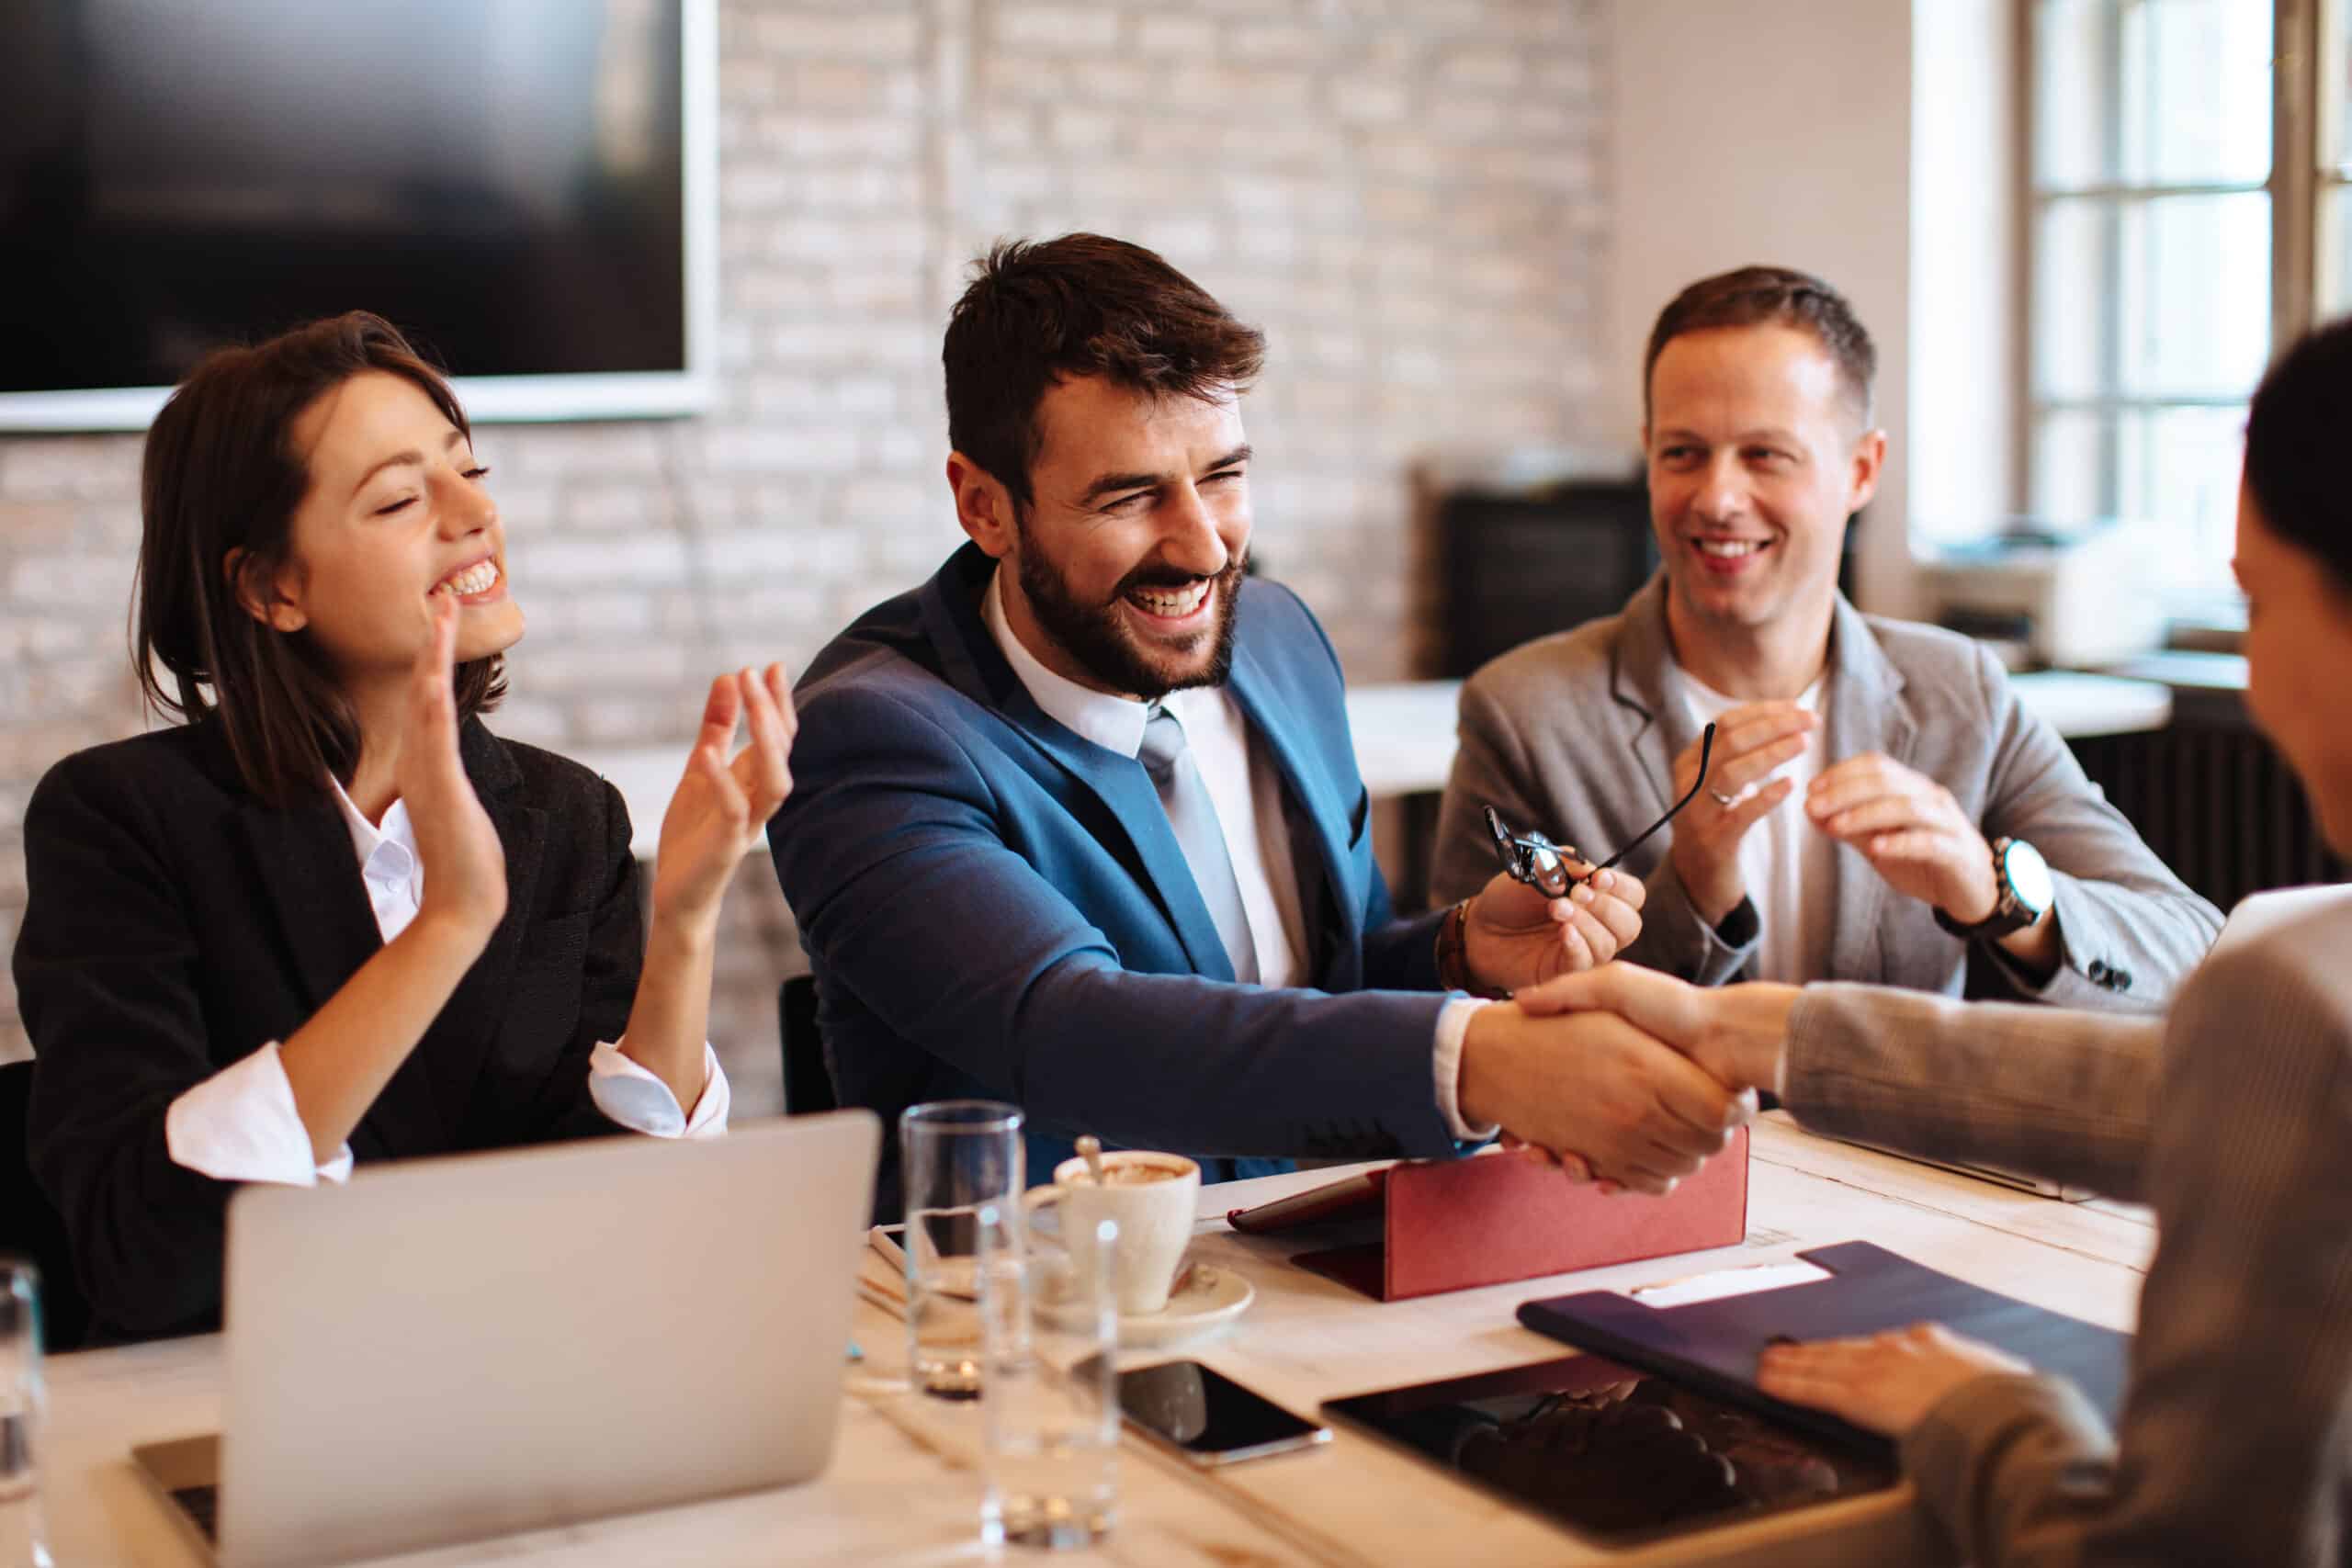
<point>904,1486</point>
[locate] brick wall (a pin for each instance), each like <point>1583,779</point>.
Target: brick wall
<point>1404,193</point>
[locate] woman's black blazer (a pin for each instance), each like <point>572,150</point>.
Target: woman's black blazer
<point>174,923</point>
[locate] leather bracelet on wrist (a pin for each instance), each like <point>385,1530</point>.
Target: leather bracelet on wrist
<point>1453,954</point>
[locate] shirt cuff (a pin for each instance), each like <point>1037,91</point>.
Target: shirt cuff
<point>240,1124</point>
<point>1452,1023</point>
<point>634,1098</point>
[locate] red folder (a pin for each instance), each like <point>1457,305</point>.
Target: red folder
<point>1455,1224</point>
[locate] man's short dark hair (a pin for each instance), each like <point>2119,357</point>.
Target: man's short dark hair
<point>1772,296</point>
<point>1041,311</point>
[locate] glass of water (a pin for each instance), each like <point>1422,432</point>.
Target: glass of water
<point>958,1156</point>
<point>1049,1409</point>
<point>23,1543</point>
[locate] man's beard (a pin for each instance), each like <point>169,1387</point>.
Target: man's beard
<point>1098,640</point>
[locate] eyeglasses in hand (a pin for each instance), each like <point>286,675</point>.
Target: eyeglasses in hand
<point>1542,864</point>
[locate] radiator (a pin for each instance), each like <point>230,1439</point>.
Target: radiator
<point>2214,801</point>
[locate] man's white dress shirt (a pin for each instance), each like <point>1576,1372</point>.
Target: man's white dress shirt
<point>1245,787</point>
<point>239,1125</point>
<point>1788,865</point>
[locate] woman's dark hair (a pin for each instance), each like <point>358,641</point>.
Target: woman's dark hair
<point>1038,312</point>
<point>2293,466</point>
<point>220,476</point>
<point>1772,296</point>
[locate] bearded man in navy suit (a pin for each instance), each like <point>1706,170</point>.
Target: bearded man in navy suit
<point>1077,824</point>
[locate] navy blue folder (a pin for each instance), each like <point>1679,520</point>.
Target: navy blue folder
<point>1711,1346</point>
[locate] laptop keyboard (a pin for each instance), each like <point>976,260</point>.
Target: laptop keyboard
<point>201,1504</point>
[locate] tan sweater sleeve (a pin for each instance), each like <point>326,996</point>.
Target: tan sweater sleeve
<point>2235,1444</point>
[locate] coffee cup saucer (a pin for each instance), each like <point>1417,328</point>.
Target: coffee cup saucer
<point>1210,1297</point>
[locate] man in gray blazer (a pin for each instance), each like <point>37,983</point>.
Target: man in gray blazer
<point>1878,800</point>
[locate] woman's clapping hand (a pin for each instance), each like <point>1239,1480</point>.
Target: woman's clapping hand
<point>465,865</point>
<point>723,804</point>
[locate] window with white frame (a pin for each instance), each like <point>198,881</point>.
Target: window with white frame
<point>2333,172</point>
<point>2187,163</point>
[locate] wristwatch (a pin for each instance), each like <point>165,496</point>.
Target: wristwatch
<point>2022,878</point>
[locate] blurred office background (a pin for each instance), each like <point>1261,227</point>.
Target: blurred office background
<point>2075,227</point>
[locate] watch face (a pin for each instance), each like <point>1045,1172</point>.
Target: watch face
<point>2027,876</point>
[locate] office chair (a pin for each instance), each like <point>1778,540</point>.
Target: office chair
<point>808,1086</point>
<point>29,1226</point>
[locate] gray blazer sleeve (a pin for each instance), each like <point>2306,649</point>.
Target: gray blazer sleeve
<point>1493,767</point>
<point>2070,1096</point>
<point>2131,929</point>
<point>2233,1441</point>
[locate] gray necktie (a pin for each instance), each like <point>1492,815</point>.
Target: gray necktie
<point>1192,814</point>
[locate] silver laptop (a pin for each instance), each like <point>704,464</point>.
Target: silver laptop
<point>447,1350</point>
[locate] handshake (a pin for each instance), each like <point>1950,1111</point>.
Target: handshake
<point>1622,1074</point>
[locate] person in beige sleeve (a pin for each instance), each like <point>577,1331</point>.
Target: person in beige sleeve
<point>2232,1115</point>
<point>1878,801</point>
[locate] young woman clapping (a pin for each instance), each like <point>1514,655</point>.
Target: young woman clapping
<point>328,917</point>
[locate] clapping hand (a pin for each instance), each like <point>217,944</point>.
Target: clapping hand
<point>464,864</point>
<point>1514,936</point>
<point>722,806</point>
<point>1750,742</point>
<point>1912,831</point>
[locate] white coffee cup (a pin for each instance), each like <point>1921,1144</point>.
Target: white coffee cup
<point>1154,1213</point>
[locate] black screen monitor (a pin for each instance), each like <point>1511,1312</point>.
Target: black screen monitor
<point>522,185</point>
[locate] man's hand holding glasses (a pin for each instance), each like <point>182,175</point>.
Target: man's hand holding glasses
<point>1549,913</point>
<point>1515,935</point>
<point>1616,1102</point>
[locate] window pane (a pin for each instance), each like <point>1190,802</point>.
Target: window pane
<point>2176,475</point>
<point>2170,474</point>
<point>2335,84</point>
<point>2070,466</point>
<point>2162,297</point>
<point>2195,90</point>
<point>2074,300</point>
<point>2151,92</point>
<point>2074,42</point>
<point>2193,295</point>
<point>2335,251</point>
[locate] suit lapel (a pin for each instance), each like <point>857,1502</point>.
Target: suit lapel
<point>1321,814</point>
<point>450,1056</point>
<point>1638,676</point>
<point>1867,713</point>
<point>303,863</point>
<point>1132,825</point>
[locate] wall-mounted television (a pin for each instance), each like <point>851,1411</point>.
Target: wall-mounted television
<point>525,187</point>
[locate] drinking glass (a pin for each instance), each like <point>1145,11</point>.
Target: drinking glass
<point>1049,1409</point>
<point>958,1156</point>
<point>23,1542</point>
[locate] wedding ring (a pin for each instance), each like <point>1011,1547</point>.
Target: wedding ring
<point>1721,799</point>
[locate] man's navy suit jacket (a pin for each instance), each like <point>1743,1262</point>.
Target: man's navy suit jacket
<point>997,908</point>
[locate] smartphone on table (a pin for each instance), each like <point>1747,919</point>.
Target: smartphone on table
<point>1209,1418</point>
